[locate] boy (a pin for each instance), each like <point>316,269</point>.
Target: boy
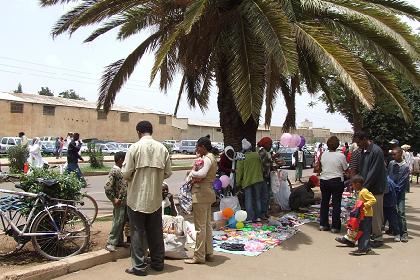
<point>168,204</point>
<point>116,191</point>
<point>365,226</point>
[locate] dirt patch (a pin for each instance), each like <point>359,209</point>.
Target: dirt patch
<point>27,257</point>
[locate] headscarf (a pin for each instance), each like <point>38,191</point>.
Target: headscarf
<point>265,141</point>
<point>246,145</point>
<point>314,180</point>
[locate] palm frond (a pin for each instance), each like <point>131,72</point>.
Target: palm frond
<point>104,28</point>
<point>384,83</point>
<point>117,73</point>
<point>399,7</point>
<point>289,98</point>
<point>180,91</point>
<point>246,70</point>
<point>272,27</point>
<point>325,49</point>
<point>45,3</point>
<point>135,20</point>
<point>192,14</point>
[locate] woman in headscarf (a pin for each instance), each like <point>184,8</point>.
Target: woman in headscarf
<point>249,177</point>
<point>203,197</point>
<point>35,158</point>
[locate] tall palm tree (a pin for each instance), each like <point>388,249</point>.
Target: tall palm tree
<point>256,49</point>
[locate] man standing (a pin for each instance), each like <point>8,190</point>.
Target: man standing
<point>373,170</point>
<point>73,156</point>
<point>146,165</point>
<point>399,173</point>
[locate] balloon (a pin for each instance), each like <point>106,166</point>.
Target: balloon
<point>225,181</point>
<point>239,225</point>
<point>285,139</point>
<point>241,215</point>
<point>302,142</point>
<point>294,141</point>
<point>227,213</point>
<point>232,222</point>
<point>217,185</point>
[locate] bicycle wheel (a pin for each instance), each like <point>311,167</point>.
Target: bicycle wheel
<point>10,242</point>
<point>66,233</point>
<point>88,206</point>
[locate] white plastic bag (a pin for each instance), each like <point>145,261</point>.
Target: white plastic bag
<point>189,231</point>
<point>175,246</point>
<point>280,188</point>
<point>173,225</point>
<point>230,202</point>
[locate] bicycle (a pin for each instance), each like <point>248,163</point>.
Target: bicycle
<point>56,231</point>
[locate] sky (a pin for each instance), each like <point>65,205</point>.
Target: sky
<point>30,56</point>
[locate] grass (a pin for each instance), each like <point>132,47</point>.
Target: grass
<point>87,168</point>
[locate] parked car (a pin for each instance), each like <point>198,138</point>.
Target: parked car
<point>47,138</point>
<point>7,142</point>
<point>287,155</point>
<point>107,149</point>
<point>126,146</point>
<point>48,147</point>
<point>218,146</point>
<point>187,146</point>
<point>174,148</point>
<point>170,142</point>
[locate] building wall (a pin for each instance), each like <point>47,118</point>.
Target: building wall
<point>85,121</point>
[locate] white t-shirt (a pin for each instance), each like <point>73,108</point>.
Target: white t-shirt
<point>333,165</point>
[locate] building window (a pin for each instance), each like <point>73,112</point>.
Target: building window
<point>16,107</point>
<point>125,117</point>
<point>218,129</point>
<point>49,110</point>
<point>101,115</point>
<point>162,119</point>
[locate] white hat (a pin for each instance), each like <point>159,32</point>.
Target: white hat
<point>246,145</point>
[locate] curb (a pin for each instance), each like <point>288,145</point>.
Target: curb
<point>62,267</point>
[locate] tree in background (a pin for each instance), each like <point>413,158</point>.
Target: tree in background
<point>19,89</point>
<point>45,91</point>
<point>70,94</point>
<point>254,50</point>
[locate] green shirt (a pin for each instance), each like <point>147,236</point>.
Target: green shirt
<point>249,171</point>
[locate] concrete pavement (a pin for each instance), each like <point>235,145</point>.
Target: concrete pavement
<point>310,254</point>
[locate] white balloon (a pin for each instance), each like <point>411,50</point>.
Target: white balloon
<point>240,215</point>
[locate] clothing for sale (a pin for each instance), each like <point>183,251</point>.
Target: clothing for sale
<point>233,246</point>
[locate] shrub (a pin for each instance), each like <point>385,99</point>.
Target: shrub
<point>68,187</point>
<point>96,157</point>
<point>17,156</point>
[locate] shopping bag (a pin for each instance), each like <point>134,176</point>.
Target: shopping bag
<point>185,198</point>
<point>282,195</point>
<point>173,225</point>
<point>274,182</point>
<point>230,201</point>
<point>175,246</point>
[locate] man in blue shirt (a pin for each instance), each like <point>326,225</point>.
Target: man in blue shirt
<point>399,173</point>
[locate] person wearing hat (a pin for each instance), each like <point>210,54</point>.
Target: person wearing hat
<point>264,148</point>
<point>303,196</point>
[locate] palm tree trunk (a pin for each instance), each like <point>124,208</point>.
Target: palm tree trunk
<point>357,116</point>
<point>233,128</point>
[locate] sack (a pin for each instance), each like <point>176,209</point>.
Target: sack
<point>185,198</point>
<point>280,188</point>
<point>189,231</point>
<point>230,202</point>
<point>173,225</point>
<point>175,246</point>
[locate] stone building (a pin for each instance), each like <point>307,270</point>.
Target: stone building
<point>38,115</point>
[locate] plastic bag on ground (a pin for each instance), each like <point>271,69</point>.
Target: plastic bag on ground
<point>280,188</point>
<point>230,202</point>
<point>175,246</point>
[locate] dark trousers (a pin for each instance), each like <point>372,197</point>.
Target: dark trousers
<point>401,219</point>
<point>390,216</point>
<point>149,225</point>
<point>363,243</point>
<point>331,188</point>
<point>265,197</point>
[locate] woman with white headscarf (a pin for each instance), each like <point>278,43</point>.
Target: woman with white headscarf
<point>35,158</point>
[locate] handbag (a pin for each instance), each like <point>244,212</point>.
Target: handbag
<point>185,198</point>
<point>230,201</point>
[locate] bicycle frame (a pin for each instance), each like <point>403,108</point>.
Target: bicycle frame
<point>28,225</point>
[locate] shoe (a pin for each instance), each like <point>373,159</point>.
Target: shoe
<point>110,248</point>
<point>397,238</point>
<point>335,230</point>
<point>136,272</point>
<point>345,241</point>
<point>376,243</point>
<point>192,261</point>
<point>389,232</point>
<point>404,238</point>
<point>128,239</point>
<point>209,258</point>
<point>360,252</point>
<point>322,228</point>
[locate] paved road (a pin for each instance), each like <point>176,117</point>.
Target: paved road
<point>311,254</point>
<point>96,187</point>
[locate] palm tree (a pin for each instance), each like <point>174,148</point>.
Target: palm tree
<point>256,49</point>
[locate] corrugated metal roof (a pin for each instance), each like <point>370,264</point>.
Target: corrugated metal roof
<point>59,101</point>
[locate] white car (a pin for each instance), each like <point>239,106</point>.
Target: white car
<point>107,149</point>
<point>7,142</point>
